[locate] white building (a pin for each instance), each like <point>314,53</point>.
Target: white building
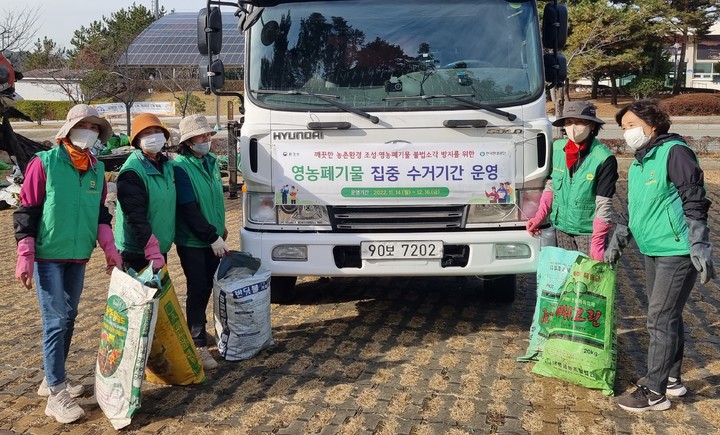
<point>702,61</point>
<point>49,85</point>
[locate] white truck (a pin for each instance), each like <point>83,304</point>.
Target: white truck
<point>403,138</point>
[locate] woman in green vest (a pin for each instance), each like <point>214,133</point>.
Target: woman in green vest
<point>63,215</point>
<point>578,196</point>
<point>145,219</point>
<point>200,234</point>
<point>667,217</point>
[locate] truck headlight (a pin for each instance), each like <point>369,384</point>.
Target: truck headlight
<point>303,215</point>
<point>492,213</point>
<point>261,208</point>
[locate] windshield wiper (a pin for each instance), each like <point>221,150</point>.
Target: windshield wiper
<point>328,98</point>
<point>461,98</point>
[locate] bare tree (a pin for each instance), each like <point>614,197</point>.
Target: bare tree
<point>18,28</point>
<point>181,82</point>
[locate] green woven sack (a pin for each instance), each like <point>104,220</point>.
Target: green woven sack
<point>553,267</point>
<point>582,342</point>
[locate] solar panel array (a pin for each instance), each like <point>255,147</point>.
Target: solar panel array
<point>172,41</point>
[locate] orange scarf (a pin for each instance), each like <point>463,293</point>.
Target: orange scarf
<point>79,158</point>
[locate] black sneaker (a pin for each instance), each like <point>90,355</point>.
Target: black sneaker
<point>675,388</point>
<point>642,399</point>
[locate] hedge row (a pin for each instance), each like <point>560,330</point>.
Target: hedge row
<point>692,105</point>
<point>701,145</point>
<point>40,110</point>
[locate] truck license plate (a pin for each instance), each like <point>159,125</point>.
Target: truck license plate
<point>400,250</point>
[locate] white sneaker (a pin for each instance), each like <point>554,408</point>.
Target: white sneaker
<point>208,361</point>
<point>63,408</point>
<point>74,390</point>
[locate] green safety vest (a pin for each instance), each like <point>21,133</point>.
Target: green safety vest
<point>209,195</point>
<point>573,208</point>
<point>69,223</point>
<point>160,188</point>
<point>657,220</point>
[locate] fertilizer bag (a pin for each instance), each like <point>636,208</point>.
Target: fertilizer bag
<point>553,268</point>
<point>582,342</point>
<point>173,357</point>
<point>241,296</point>
<point>125,339</point>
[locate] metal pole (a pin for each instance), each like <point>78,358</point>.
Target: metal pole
<point>217,113</point>
<point>232,153</point>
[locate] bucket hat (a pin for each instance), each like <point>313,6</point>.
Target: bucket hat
<point>143,121</point>
<point>83,112</point>
<point>194,125</point>
<point>578,110</point>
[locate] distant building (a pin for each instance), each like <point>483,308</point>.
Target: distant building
<point>50,85</point>
<point>702,61</point>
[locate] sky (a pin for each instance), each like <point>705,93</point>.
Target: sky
<point>58,19</point>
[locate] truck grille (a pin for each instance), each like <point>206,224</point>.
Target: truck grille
<point>398,218</point>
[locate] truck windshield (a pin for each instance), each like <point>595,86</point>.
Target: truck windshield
<point>372,53</point>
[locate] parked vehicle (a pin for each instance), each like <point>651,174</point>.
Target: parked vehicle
<point>404,138</point>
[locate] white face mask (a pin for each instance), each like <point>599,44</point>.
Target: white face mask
<point>152,143</point>
<point>201,148</point>
<point>577,133</point>
<point>636,138</point>
<point>83,138</point>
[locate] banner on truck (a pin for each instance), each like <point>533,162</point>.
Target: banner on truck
<point>399,173</point>
<point>159,108</point>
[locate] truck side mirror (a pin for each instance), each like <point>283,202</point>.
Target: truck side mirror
<point>555,26</point>
<point>555,69</point>
<point>212,76</point>
<point>209,31</point>
<point>269,33</point>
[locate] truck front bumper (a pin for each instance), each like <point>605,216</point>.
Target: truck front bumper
<point>338,254</point>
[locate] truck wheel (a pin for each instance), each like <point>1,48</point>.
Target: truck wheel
<point>282,289</point>
<point>500,289</point>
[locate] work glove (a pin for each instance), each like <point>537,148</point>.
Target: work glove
<point>619,240</point>
<point>701,249</point>
<point>533,224</point>
<point>598,239</point>
<point>25,261</point>
<point>106,240</point>
<point>153,254</point>
<point>219,247</point>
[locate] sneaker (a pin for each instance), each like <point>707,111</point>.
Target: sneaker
<point>208,361</point>
<point>63,408</point>
<point>675,388</point>
<point>75,390</point>
<point>643,399</point>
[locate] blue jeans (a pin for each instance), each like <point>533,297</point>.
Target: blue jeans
<point>59,286</point>
<point>669,281</point>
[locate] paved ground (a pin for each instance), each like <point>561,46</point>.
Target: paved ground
<point>381,356</point>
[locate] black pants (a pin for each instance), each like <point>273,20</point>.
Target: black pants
<point>199,265</point>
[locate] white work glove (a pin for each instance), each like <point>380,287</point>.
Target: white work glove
<point>219,247</point>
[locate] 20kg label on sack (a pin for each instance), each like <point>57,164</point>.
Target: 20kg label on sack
<point>392,250</point>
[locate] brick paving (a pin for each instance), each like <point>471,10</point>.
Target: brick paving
<point>372,356</point>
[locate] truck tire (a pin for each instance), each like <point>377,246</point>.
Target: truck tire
<point>500,289</point>
<point>282,289</point>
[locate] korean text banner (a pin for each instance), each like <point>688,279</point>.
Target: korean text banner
<point>397,173</point>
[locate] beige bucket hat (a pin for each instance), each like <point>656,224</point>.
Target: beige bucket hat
<point>83,112</point>
<point>194,125</point>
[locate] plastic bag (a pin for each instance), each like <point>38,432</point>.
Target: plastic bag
<point>241,296</point>
<point>125,340</point>
<point>553,268</point>
<point>173,357</point>
<point>582,343</point>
